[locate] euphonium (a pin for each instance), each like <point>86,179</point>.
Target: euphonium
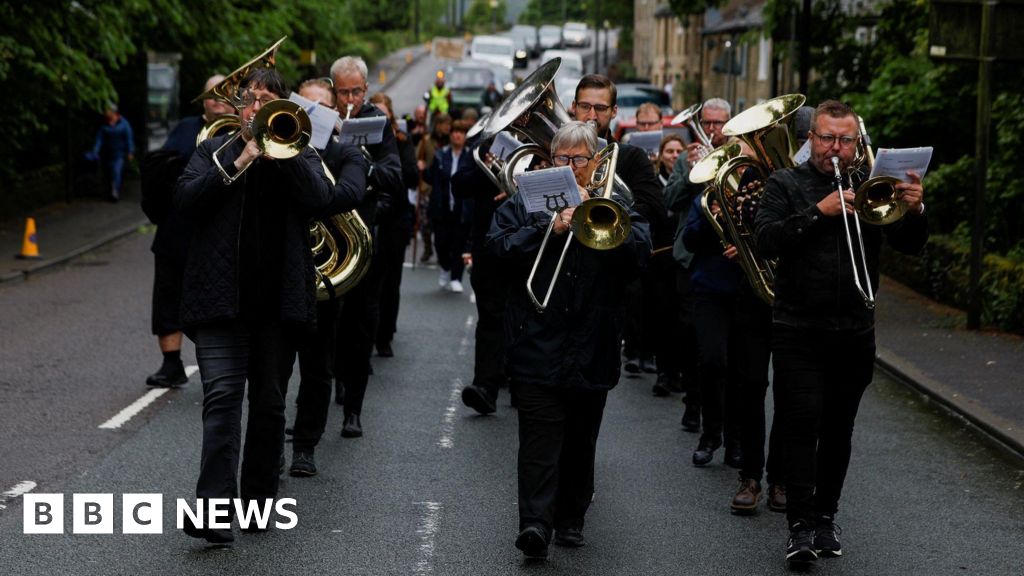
<point>763,129</point>
<point>339,270</point>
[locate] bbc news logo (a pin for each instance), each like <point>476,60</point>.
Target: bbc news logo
<point>143,513</point>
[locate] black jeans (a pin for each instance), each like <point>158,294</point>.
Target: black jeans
<point>316,370</point>
<point>450,243</point>
<point>392,238</point>
<point>356,330</point>
<point>491,289</point>
<point>720,354</point>
<point>820,377</point>
<point>558,429</point>
<point>686,340</point>
<point>229,354</point>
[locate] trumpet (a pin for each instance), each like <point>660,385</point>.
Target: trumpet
<point>690,118</point>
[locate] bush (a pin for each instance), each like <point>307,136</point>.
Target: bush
<point>942,272</point>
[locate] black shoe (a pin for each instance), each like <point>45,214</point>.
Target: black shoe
<point>826,538</point>
<point>478,399</point>
<point>303,464</point>
<point>570,538</point>
<point>168,376</point>
<point>800,546</point>
<point>633,365</point>
<point>661,386</point>
<point>647,365</point>
<point>691,418</point>
<point>734,455</point>
<point>351,428</point>
<point>385,351</point>
<point>705,451</point>
<point>219,536</point>
<point>532,542</point>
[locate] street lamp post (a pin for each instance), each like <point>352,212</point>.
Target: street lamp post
<point>494,15</point>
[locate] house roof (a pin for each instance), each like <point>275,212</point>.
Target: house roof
<point>735,16</point>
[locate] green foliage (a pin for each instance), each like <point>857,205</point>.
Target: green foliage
<point>481,18</point>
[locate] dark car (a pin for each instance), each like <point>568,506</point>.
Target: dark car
<point>467,82</point>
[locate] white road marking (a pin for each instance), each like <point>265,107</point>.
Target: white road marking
<point>455,397</point>
<point>20,488</point>
<point>139,405</point>
<point>427,532</point>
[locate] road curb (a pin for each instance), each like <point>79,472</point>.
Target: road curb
<point>65,258</point>
<point>1001,431</point>
<point>401,70</point>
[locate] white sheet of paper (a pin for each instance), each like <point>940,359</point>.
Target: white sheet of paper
<point>548,190</point>
<point>803,154</point>
<point>648,141</point>
<point>403,125</point>
<point>897,162</point>
<point>683,132</point>
<point>504,144</point>
<point>363,131</point>
<point>322,118</point>
<point>601,143</point>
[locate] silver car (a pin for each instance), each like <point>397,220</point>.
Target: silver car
<point>575,34</point>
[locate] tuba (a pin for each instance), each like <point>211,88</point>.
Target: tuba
<point>341,245</point>
<point>763,128</point>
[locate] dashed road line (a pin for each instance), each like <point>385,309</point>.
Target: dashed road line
<point>139,405</point>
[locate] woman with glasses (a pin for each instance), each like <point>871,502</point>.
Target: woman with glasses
<point>562,362</point>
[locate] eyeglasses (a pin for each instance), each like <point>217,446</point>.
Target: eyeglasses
<point>587,107</point>
<point>830,139</point>
<point>645,123</point>
<point>712,123</point>
<point>577,161</point>
<point>353,93</point>
<point>249,98</point>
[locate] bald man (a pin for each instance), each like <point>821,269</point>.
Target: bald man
<point>160,171</point>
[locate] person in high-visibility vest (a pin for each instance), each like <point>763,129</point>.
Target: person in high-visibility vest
<point>440,96</point>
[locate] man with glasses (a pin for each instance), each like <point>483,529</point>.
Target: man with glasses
<point>823,339</point>
<point>562,362</point>
<point>360,312</point>
<point>595,104</point>
<point>248,296</point>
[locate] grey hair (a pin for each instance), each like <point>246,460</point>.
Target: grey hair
<point>719,104</point>
<point>347,64</point>
<point>574,133</point>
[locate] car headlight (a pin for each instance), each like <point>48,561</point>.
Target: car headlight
<point>520,54</point>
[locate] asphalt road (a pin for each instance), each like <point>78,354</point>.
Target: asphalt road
<point>430,488</point>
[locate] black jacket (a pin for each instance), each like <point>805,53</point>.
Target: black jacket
<point>385,179</point>
<point>814,285</point>
<point>471,184</point>
<point>637,172</point>
<point>250,257</point>
<point>575,342</point>
<point>160,171</point>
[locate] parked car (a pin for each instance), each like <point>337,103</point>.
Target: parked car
<point>575,34</point>
<point>496,49</point>
<point>530,35</point>
<point>550,36</point>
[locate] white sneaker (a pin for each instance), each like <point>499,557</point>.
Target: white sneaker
<point>444,278</point>
<point>455,286</point>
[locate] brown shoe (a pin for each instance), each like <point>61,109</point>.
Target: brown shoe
<point>746,498</point>
<point>777,498</point>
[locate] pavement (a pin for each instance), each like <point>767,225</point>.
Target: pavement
<point>976,375</point>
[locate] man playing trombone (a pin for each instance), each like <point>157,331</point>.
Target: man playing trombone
<point>248,293</point>
<point>823,339</point>
<point>563,360</point>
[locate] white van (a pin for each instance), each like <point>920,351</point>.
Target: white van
<point>572,62</point>
<point>495,49</point>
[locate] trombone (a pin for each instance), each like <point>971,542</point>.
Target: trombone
<point>599,222</point>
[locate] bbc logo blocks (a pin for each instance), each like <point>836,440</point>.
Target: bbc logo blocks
<point>93,514</point>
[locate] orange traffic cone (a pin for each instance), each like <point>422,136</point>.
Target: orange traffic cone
<point>29,246</point>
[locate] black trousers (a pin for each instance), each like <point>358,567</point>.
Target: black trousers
<point>392,238</point>
<point>685,339</point>
<point>491,289</point>
<point>357,329</point>
<point>168,275</point>
<point>316,371</point>
<point>450,243</point>
<point>558,429</point>
<point>820,376</point>
<point>637,343</point>
<point>229,354</point>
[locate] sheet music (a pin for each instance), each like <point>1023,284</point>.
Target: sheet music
<point>897,162</point>
<point>322,118</point>
<point>504,144</point>
<point>548,190</point>
<point>363,131</point>
<point>648,141</point>
<point>683,132</point>
<point>803,154</point>
<point>403,125</point>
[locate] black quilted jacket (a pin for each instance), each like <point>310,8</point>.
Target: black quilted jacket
<point>276,200</point>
